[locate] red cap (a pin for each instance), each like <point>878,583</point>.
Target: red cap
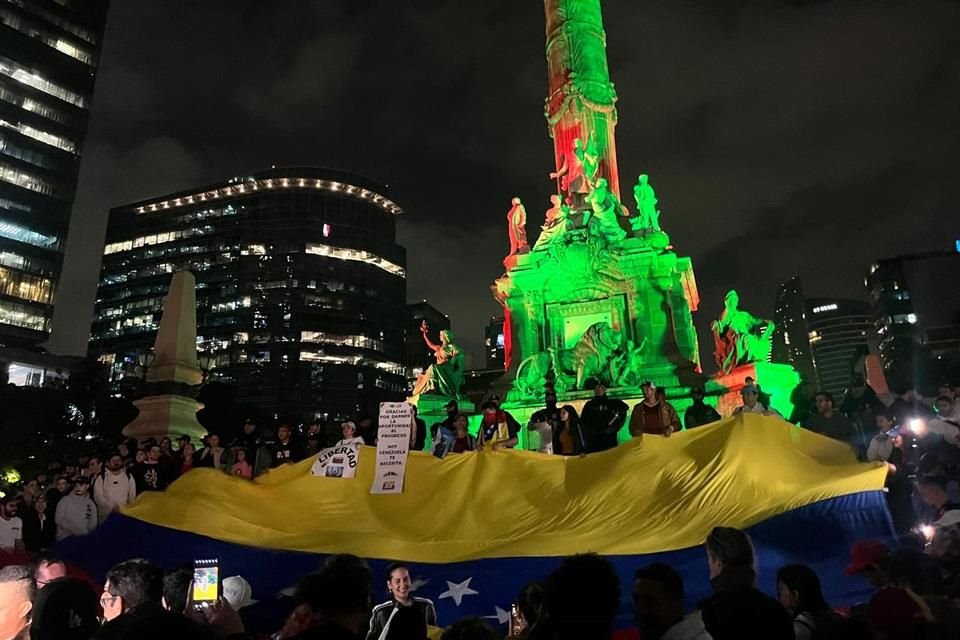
<point>864,554</point>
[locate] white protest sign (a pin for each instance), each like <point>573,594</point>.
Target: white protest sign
<point>337,462</point>
<point>393,445</point>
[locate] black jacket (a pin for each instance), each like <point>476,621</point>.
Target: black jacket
<point>35,536</point>
<point>738,611</point>
<point>381,614</point>
<point>601,419</point>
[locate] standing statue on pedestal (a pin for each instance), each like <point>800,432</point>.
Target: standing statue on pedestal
<point>648,217</point>
<point>578,170</point>
<point>517,227</point>
<point>736,336</point>
<point>445,376</point>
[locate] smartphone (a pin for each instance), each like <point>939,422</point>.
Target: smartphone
<point>206,582</point>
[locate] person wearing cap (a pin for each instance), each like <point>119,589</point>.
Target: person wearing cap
<point>699,413</point>
<point>601,419</point>
<point>452,408</point>
<point>237,592</point>
<point>249,439</point>
<point>652,415</point>
<point>496,431</point>
<point>76,512</point>
<point>546,422</point>
<point>888,447</point>
<point>751,402</point>
<point>350,437</point>
<point>67,609</point>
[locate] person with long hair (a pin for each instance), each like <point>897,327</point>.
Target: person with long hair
<point>737,609</point>
<point>799,591</point>
<point>568,436</point>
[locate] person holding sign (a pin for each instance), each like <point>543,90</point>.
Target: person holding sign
<point>496,430</point>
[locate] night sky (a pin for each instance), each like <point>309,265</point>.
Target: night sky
<point>782,137</point>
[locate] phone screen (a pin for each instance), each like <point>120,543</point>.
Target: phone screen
<point>206,580</point>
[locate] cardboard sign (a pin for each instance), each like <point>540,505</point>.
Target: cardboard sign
<point>393,445</point>
<point>337,462</point>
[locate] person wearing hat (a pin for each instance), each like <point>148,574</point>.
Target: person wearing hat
<point>76,512</point>
<point>652,415</point>
<point>601,419</point>
<point>66,609</point>
<point>496,431</point>
<point>699,413</point>
<point>350,437</point>
<point>238,592</point>
<point>751,402</point>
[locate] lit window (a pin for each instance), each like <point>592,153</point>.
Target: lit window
<point>27,180</point>
<point>22,234</point>
<point>13,70</point>
<point>41,136</point>
<point>356,255</point>
<point>18,315</point>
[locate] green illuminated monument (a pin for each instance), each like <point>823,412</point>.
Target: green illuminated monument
<point>601,296</point>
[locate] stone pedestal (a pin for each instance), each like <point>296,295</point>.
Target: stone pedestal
<point>168,415</point>
<point>776,380</point>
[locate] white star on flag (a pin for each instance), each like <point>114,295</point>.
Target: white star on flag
<point>458,590</point>
<point>418,583</point>
<point>502,617</point>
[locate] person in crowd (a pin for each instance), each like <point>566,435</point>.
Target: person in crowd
<point>39,529</point>
<point>314,437</point>
<point>404,616</point>
<point>113,488</point>
<point>213,455</point>
<point>94,467</point>
<point>888,446</point>
<point>420,435</point>
<point>76,512</point>
<point>530,613</point>
<point>496,430</point>
<point>61,487</point>
<point>182,440</point>
<point>933,491</point>
<point>31,491</point>
<point>601,419</point>
<point>458,440</point>
<point>17,593</point>
<point>544,422</point>
<point>568,437</point>
<point>166,448</point>
<point>65,610</point>
<point>652,415</point>
<point>582,598</point>
<point>658,609</point>
<point>241,467</point>
<point>249,437</point>
<point>237,592</point>
<point>751,402</point>
<point>331,604</point>
<point>800,593</point>
<point>946,424</point>
<point>46,566</point>
<point>881,446</point>
<point>827,421</point>
<point>699,413</point>
<point>176,589</point>
<point>909,405</point>
<point>285,450</point>
<point>470,629</point>
<point>802,399</point>
<point>367,428</point>
<point>762,397</point>
<point>453,409</point>
<point>188,454</point>
<point>140,457</point>
<point>737,609</point>
<point>350,437</point>
<point>514,424</point>
<point>151,474</point>
<point>11,527</point>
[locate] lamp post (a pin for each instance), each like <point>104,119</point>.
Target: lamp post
<point>145,360</point>
<point>206,362</point>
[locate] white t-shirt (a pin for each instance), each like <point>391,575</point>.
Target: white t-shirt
<point>346,442</point>
<point>10,531</point>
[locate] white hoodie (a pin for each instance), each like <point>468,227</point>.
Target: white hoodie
<point>113,490</point>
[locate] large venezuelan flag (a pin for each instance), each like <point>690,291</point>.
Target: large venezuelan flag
<point>478,526</point>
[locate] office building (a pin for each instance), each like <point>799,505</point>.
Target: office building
<point>417,356</point>
<point>839,337</point>
<point>791,337</point>
<point>301,288</point>
<point>915,308</point>
<point>48,60</point>
<point>494,343</point>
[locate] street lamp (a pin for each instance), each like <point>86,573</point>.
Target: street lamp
<point>145,360</point>
<point>206,362</point>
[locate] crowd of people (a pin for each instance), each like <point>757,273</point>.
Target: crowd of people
<point>579,600</point>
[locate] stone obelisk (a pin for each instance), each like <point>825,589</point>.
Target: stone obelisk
<point>170,409</point>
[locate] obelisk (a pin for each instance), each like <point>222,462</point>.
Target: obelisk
<point>170,409</point>
<point>581,102</point>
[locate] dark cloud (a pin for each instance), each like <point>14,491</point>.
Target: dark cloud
<point>782,137</point>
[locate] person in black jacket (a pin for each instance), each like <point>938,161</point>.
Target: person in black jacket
<point>737,610</point>
<point>39,528</point>
<point>403,617</point>
<point>601,420</point>
<point>331,604</point>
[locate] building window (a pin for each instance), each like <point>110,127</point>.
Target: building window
<point>27,180</point>
<point>356,255</point>
<point>25,76</point>
<point>19,315</point>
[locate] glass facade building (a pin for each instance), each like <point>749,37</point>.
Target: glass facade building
<point>839,336</point>
<point>48,59</point>
<point>791,337</point>
<point>301,288</point>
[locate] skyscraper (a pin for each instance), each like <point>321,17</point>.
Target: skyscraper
<point>48,60</point>
<point>301,288</point>
<point>839,336</point>
<point>494,343</point>
<point>791,338</point>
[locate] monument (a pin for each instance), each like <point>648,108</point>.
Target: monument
<point>169,408</point>
<point>601,296</point>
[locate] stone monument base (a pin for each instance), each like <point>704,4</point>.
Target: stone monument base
<point>168,415</point>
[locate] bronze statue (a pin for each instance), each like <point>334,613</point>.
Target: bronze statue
<point>517,227</point>
<point>739,338</point>
<point>445,376</point>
